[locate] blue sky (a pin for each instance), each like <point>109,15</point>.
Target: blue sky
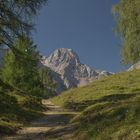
<point>86,26</point>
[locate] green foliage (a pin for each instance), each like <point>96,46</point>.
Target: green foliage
<point>21,87</point>
<point>109,108</point>
<point>23,73</point>
<point>8,127</point>
<point>19,78</point>
<point>127,13</point>
<point>16,19</point>
<point>48,83</point>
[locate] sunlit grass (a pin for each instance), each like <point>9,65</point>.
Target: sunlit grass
<point>110,108</point>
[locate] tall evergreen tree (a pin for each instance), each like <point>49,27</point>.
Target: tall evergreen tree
<point>127,13</point>
<point>16,19</point>
<point>23,74</point>
<point>49,85</point>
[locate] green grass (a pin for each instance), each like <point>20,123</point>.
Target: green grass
<point>115,121</point>
<point>110,108</point>
<point>16,109</point>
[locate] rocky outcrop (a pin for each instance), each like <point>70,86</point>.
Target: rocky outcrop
<point>135,66</point>
<point>68,71</point>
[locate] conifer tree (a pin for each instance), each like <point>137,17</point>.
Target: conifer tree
<point>23,74</point>
<point>16,19</point>
<point>49,85</point>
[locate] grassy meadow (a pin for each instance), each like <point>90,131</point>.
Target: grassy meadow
<point>109,108</point>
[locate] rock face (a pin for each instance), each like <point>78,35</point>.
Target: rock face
<point>135,66</point>
<point>68,72</point>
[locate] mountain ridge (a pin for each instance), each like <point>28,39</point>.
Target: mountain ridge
<point>66,63</point>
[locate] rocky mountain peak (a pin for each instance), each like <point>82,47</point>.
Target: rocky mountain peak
<point>62,56</point>
<point>68,71</point>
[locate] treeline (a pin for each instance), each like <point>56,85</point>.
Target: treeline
<point>22,83</point>
<point>23,71</point>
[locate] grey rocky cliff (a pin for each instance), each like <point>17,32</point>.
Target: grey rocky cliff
<point>135,66</point>
<point>68,71</point>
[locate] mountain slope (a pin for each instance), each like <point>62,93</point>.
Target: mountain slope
<point>110,108</point>
<point>67,67</point>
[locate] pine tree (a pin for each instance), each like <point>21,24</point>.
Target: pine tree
<point>23,74</point>
<point>16,19</point>
<point>49,85</point>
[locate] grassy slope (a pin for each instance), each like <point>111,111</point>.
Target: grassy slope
<point>16,109</point>
<point>110,108</point>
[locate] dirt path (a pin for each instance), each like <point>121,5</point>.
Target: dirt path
<point>53,126</point>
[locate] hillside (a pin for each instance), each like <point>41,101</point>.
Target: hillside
<point>109,108</point>
<point>16,109</point>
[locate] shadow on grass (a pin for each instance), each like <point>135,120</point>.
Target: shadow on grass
<point>13,114</point>
<point>53,120</point>
<point>51,125</point>
<point>79,106</point>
